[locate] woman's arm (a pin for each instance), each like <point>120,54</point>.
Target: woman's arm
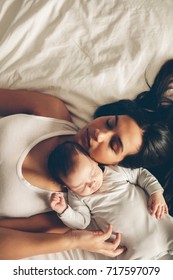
<point>18,244</point>
<point>45,223</point>
<point>29,102</point>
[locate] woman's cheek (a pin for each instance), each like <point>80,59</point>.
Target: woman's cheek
<point>97,155</point>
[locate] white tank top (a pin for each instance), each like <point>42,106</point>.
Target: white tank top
<point>18,135</point>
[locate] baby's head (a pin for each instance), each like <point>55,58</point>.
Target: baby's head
<point>70,165</point>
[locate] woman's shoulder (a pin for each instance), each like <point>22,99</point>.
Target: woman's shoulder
<point>35,119</point>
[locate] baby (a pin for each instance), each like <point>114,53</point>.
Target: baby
<point>83,177</point>
<point>112,195</point>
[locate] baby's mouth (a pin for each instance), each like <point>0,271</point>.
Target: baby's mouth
<point>97,187</point>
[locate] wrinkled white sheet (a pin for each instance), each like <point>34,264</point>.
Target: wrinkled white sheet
<point>85,52</point>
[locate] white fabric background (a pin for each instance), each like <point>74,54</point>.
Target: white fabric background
<point>85,52</point>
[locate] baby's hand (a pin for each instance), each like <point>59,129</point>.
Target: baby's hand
<point>157,205</point>
<point>57,203</point>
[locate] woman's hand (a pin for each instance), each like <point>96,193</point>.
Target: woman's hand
<point>20,244</point>
<point>96,241</point>
<point>157,205</point>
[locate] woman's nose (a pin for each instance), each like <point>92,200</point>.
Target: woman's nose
<point>100,135</point>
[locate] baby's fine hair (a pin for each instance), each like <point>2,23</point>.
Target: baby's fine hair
<point>62,160</point>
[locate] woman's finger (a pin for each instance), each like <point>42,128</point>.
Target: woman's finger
<point>115,244</point>
<point>106,235</point>
<point>112,253</point>
<point>117,239</point>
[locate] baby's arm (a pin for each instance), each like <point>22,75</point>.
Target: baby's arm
<point>75,215</point>
<point>157,205</point>
<point>143,178</point>
<point>156,202</point>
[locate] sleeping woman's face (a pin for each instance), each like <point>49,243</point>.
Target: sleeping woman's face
<point>110,139</point>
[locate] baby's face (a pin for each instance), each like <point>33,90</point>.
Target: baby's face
<point>87,177</point>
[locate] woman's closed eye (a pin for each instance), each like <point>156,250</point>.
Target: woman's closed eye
<point>116,144</point>
<point>111,122</point>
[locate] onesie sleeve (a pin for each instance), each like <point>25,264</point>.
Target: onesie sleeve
<point>77,215</point>
<point>144,179</point>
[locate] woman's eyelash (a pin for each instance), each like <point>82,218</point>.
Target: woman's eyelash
<point>113,146</point>
<point>111,124</point>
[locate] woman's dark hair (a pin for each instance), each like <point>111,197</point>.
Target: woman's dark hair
<point>156,147</point>
<point>122,107</point>
<point>62,160</point>
<point>159,101</point>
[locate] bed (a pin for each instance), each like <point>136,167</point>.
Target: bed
<point>85,52</point>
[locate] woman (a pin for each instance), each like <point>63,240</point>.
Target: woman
<point>156,107</point>
<point>26,142</point>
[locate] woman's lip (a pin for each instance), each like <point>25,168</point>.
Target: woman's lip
<point>86,139</point>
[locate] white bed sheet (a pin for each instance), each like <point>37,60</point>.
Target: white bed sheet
<point>85,52</point>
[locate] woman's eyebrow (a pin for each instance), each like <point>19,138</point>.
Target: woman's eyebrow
<point>118,138</point>
<point>116,120</point>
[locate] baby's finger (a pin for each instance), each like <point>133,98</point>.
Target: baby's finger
<point>158,212</point>
<point>53,204</point>
<point>153,209</point>
<point>166,211</point>
<point>58,195</point>
<point>162,211</point>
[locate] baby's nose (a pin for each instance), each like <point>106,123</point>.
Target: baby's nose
<point>92,184</point>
